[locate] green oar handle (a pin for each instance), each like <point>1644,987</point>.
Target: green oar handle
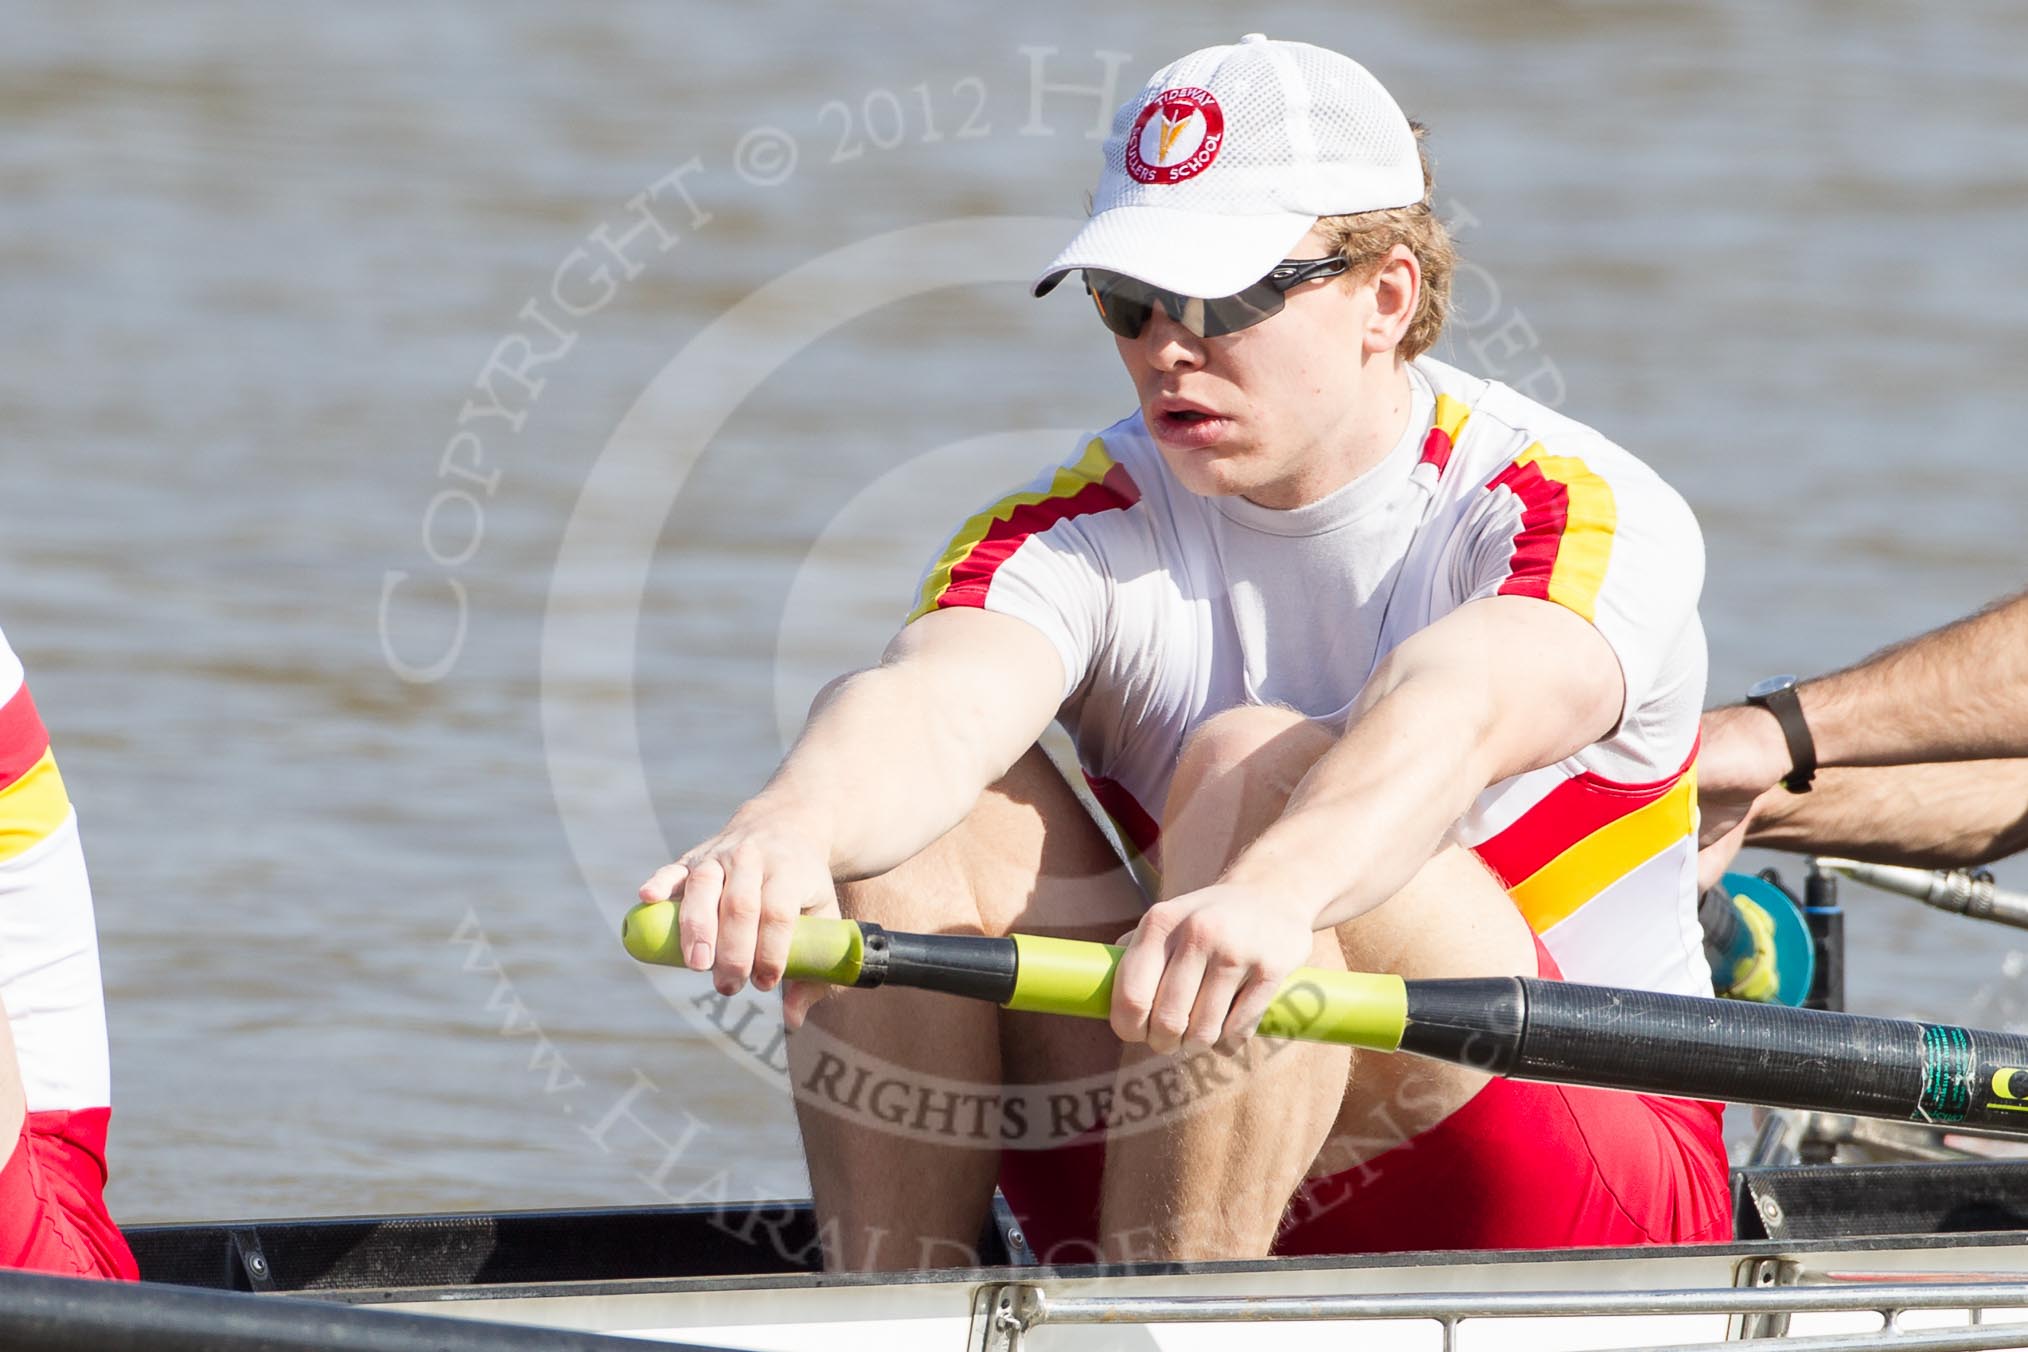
<point>822,949</point>
<point>1058,976</point>
<point>1360,1009</point>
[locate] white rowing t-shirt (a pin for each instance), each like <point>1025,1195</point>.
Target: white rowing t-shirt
<point>1168,608</point>
<point>49,949</point>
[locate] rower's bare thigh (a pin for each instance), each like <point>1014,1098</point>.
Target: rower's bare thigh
<point>1454,919</point>
<point>1028,858</point>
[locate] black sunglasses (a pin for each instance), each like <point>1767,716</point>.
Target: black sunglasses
<point>1125,305</point>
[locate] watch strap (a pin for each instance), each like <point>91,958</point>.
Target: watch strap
<point>1787,708</point>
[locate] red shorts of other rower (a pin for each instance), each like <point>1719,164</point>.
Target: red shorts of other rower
<point>1519,1166</point>
<point>53,1214</point>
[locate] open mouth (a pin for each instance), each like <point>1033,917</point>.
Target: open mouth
<point>1194,428</point>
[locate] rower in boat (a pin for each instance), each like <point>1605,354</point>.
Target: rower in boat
<point>1371,662</point>
<point>1918,755</point>
<point>55,1081</point>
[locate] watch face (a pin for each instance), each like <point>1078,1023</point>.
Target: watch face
<point>1773,684</point>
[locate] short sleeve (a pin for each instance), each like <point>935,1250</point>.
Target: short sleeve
<point>1034,554</point>
<point>1600,534</point>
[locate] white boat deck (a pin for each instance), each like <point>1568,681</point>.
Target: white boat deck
<point>1960,1295</point>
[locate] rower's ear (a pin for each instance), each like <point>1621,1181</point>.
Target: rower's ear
<point>1396,284</point>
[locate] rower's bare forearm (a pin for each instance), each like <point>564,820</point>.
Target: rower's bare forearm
<point>1498,687</point>
<point>1375,807</point>
<point>888,762</point>
<point>1940,815</point>
<point>1957,693</point>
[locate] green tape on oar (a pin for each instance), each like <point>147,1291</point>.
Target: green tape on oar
<point>822,949</point>
<point>1354,1009</point>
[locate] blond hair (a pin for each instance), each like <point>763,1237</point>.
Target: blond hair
<point>1368,237</point>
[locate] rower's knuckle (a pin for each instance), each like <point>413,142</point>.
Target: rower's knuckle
<point>1161,921</point>
<point>1224,961</point>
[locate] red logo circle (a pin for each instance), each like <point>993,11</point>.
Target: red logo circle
<point>1177,136</point>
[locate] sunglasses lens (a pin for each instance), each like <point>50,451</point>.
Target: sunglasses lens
<point>1123,304</point>
<point>1230,314</point>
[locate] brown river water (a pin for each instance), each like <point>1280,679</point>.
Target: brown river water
<point>414,534</point>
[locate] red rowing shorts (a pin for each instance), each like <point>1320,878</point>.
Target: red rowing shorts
<point>53,1214</point>
<point>1519,1166</point>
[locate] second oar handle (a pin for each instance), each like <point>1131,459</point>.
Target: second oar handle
<point>1959,891</point>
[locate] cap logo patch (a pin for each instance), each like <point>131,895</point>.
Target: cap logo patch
<point>1176,137</point>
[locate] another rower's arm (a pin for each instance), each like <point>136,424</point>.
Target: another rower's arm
<point>1957,693</point>
<point>1500,686</point>
<point>1941,815</point>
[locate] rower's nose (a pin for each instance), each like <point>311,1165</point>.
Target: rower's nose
<point>1165,345</point>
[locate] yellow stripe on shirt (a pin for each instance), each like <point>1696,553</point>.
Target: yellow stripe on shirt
<point>1586,544</point>
<point>32,807</point>
<point>1555,891</point>
<point>1069,480</point>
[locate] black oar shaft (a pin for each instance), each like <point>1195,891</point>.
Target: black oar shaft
<point>1724,1049</point>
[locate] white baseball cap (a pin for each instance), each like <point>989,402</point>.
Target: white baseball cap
<point>1226,158</point>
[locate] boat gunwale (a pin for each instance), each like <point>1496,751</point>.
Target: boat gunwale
<point>1443,1259</point>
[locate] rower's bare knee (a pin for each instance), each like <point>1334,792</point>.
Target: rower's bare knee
<point>1233,777</point>
<point>1027,856</point>
<point>1251,737</point>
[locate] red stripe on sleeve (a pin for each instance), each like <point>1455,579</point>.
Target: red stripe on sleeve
<point>1545,509</point>
<point>972,577</point>
<point>23,739</point>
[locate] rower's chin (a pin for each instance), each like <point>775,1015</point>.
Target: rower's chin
<point>1211,472</point>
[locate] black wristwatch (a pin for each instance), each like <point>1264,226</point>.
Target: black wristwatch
<point>1777,695</point>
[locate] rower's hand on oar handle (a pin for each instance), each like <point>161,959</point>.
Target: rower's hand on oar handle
<point>825,952</point>
<point>1201,969</point>
<point>742,892</point>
